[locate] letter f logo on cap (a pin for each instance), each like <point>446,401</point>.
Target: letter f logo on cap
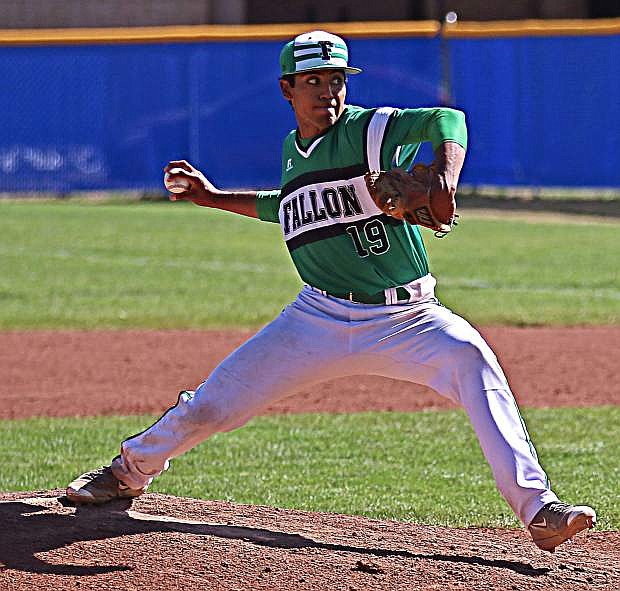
<point>326,49</point>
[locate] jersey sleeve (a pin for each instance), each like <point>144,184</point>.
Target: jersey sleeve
<point>411,127</point>
<point>268,205</point>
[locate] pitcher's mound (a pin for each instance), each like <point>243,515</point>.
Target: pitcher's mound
<point>164,542</point>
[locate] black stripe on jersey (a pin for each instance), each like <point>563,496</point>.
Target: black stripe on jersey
<point>336,230</point>
<point>365,139</point>
<point>386,132</point>
<point>323,176</point>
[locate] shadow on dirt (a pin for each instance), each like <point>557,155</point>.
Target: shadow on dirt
<point>30,528</point>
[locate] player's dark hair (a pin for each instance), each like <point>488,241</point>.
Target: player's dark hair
<point>290,78</point>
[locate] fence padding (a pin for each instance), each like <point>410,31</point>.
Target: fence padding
<point>541,110</point>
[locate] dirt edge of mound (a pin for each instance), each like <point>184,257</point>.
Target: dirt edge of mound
<point>167,542</point>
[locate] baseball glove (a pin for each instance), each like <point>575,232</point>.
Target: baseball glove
<point>413,197</point>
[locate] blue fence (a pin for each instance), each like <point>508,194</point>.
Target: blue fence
<point>541,111</point>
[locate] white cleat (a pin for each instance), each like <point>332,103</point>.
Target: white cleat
<point>557,522</point>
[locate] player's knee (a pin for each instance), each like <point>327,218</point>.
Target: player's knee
<point>475,367</point>
<point>469,355</point>
<point>211,412</point>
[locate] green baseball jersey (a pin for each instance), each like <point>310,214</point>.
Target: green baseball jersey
<point>339,240</point>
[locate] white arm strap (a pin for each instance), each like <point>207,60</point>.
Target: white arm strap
<point>374,137</point>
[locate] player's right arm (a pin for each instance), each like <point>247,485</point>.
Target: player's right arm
<point>204,193</point>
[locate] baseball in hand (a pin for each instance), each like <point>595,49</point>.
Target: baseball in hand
<point>177,185</point>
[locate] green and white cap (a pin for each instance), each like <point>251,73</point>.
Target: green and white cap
<point>316,50</point>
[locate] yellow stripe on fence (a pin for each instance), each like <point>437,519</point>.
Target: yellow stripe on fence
<point>533,28</point>
<point>371,29</point>
<point>194,33</point>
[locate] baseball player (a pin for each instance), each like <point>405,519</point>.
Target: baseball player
<point>368,304</point>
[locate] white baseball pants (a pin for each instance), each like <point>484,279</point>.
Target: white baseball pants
<point>319,337</point>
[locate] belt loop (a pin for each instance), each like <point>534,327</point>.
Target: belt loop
<point>391,297</point>
<point>350,296</point>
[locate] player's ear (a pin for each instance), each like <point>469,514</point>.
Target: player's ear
<point>285,87</point>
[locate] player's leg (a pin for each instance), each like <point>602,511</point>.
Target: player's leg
<point>300,347</point>
<point>430,345</point>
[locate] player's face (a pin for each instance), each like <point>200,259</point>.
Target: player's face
<point>317,98</point>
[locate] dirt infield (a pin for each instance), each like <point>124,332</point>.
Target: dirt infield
<point>71,373</point>
<point>162,542</point>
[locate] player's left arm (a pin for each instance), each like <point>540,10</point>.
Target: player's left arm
<point>446,129</point>
<point>446,168</point>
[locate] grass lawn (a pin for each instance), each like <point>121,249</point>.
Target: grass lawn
<point>425,467</point>
<point>164,265</point>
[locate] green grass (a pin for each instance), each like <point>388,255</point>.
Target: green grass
<point>530,273</point>
<point>161,265</point>
<point>423,467</point>
<point>144,265</point>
